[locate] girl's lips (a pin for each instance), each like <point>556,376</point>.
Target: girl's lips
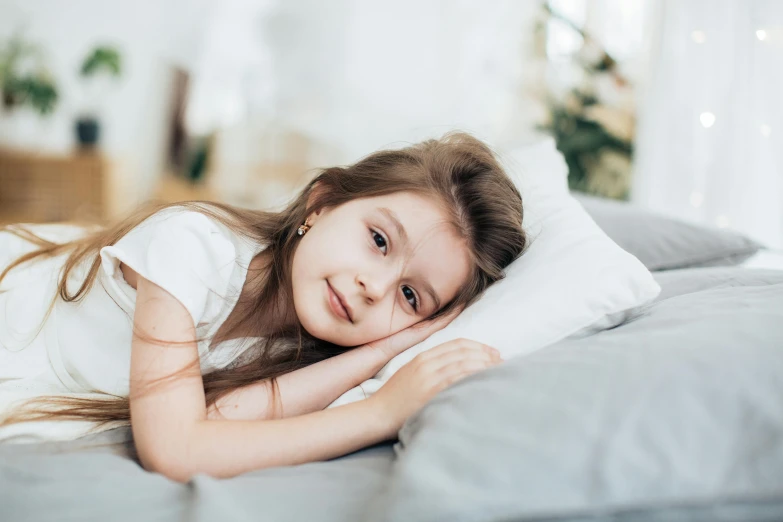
<point>336,305</point>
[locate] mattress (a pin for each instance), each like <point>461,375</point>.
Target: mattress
<point>676,414</point>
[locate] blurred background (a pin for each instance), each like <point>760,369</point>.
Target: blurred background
<point>673,105</point>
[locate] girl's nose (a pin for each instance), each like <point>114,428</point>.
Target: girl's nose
<point>374,287</point>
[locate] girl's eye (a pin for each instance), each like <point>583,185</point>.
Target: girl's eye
<point>380,241</point>
<point>410,296</point>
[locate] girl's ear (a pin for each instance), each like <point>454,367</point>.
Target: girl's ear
<point>315,194</point>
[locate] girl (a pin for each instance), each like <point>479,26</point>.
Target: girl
<point>221,334</point>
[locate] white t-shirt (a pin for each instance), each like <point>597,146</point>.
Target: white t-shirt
<point>194,257</point>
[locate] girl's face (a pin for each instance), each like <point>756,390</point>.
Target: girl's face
<point>374,266</point>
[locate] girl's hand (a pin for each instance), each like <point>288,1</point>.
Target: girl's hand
<point>397,343</point>
<point>427,374</point>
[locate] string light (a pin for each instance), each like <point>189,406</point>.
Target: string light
<point>698,36</point>
<point>766,130</point>
<point>761,34</point>
<point>707,119</point>
<point>696,199</point>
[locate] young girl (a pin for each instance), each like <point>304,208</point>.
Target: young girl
<point>221,334</point>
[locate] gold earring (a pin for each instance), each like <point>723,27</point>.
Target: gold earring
<point>304,228</point>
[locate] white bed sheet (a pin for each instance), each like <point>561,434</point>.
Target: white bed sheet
<point>766,258</point>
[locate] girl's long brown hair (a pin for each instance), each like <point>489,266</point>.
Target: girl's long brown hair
<point>458,170</point>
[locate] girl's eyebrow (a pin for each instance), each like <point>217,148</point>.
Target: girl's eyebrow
<point>428,288</point>
<point>391,216</point>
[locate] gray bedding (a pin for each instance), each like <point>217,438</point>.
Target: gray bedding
<point>677,414</point>
<point>665,243</point>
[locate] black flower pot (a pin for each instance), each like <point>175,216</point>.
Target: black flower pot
<point>88,131</point>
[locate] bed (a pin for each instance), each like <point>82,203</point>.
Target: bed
<point>674,414</point>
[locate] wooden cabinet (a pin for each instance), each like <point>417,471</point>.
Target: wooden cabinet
<point>38,188</point>
<point>173,189</point>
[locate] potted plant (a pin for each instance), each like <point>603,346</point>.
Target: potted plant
<point>593,121</point>
<point>28,91</point>
<point>102,65</point>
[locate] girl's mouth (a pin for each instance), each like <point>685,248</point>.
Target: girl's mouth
<point>336,303</point>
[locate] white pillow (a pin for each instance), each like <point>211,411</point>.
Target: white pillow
<point>572,280</point>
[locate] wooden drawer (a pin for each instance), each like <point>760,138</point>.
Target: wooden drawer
<point>37,188</point>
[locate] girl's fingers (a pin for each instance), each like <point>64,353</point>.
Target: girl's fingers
<point>415,334</point>
<point>456,371</point>
<point>456,344</point>
<point>464,354</point>
<point>424,329</point>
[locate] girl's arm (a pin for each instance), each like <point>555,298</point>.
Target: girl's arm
<point>316,386</point>
<point>305,390</point>
<point>169,414</point>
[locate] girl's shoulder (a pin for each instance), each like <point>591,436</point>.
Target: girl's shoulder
<point>191,255</point>
<point>176,219</point>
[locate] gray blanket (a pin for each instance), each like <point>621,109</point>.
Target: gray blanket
<point>676,414</point>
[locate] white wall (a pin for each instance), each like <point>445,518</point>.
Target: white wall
<point>377,73</point>
<point>353,76</point>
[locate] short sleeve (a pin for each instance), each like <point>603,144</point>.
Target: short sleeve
<point>185,252</point>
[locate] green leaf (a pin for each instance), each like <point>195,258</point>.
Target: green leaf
<point>105,59</point>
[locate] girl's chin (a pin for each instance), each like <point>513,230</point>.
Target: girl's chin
<point>328,332</point>
<point>322,324</point>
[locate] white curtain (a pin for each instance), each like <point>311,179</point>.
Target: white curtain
<point>710,137</point>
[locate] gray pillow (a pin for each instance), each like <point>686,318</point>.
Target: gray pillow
<point>664,243</point>
<point>676,415</point>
